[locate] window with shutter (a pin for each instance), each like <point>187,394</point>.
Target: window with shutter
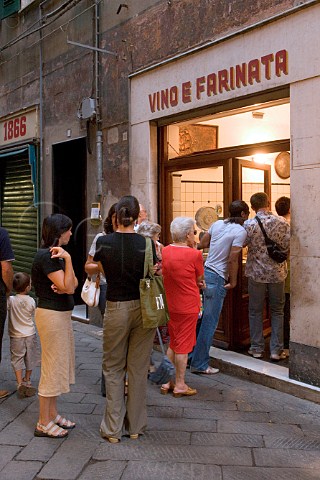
<point>9,7</point>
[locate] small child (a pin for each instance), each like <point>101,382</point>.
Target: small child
<point>23,342</point>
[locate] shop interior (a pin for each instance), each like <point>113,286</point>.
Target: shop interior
<point>213,160</point>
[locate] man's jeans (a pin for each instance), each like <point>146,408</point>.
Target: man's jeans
<point>214,295</point>
<point>257,293</point>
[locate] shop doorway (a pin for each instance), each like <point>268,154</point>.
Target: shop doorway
<point>69,198</point>
<point>209,180</point>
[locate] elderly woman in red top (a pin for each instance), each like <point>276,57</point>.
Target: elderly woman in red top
<point>182,269</point>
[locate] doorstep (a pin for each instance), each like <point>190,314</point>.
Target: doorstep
<point>80,313</point>
<point>269,374</point>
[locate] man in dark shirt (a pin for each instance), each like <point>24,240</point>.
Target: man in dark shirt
<point>6,278</point>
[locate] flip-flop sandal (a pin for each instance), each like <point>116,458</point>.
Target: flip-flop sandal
<point>51,431</point>
<point>165,390</point>
<point>64,423</point>
<point>187,393</point>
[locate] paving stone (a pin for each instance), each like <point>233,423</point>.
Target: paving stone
<point>94,375</point>
<point>11,407</point>
<point>285,457</point>
<point>88,426</point>
<point>90,367</point>
<point>175,471</point>
<point>257,406</point>
<point>257,428</point>
<point>71,397</point>
<point>227,439</point>
<point>166,438</point>
<point>99,409</point>
<point>155,398</point>
<point>20,470</point>
<point>40,449</point>
<point>294,418</point>
<point>74,408</point>
<point>167,412</point>
<point>69,460</point>
<point>171,453</point>
<point>181,424</point>
<point>82,356</point>
<point>94,398</point>
<point>7,453</point>
<point>226,415</point>
<point>297,443</point>
<point>256,473</point>
<point>81,387</point>
<point>104,471</point>
<point>18,432</point>
<point>311,430</point>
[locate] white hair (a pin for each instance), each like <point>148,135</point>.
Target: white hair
<point>180,227</point>
<point>148,229</point>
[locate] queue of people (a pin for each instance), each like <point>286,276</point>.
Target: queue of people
<point>117,255</point>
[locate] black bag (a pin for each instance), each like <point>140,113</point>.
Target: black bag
<point>273,248</point>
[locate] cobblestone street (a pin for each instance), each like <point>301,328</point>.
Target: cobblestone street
<point>232,430</point>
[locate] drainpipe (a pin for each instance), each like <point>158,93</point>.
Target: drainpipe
<point>97,92</point>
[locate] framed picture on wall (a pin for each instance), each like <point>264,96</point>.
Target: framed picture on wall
<point>197,138</point>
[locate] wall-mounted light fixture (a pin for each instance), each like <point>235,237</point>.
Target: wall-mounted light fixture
<point>257,115</point>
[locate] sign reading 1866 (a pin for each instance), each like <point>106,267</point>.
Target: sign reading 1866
<point>19,127</point>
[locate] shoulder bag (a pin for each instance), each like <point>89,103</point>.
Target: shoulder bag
<point>273,248</point>
<point>153,300</point>
<point>90,292</point>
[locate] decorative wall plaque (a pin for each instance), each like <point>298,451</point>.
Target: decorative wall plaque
<point>197,138</point>
<point>282,165</point>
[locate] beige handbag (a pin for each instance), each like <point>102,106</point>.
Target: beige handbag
<point>90,292</point>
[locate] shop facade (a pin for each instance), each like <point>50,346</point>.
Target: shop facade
<point>19,184</point>
<point>271,70</point>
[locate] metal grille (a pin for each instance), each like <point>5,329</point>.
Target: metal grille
<point>9,7</point>
<point>18,215</point>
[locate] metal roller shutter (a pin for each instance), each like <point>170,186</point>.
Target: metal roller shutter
<point>18,214</point>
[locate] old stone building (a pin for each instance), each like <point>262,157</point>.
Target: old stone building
<point>186,104</point>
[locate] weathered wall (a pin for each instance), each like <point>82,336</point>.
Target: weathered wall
<point>146,32</point>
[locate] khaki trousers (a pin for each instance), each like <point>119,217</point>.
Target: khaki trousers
<point>126,349</point>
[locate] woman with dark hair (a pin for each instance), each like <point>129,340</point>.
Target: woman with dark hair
<point>91,268</point>
<point>54,282</point>
<point>126,344</point>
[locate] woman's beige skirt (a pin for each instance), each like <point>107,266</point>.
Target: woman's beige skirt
<point>57,352</point>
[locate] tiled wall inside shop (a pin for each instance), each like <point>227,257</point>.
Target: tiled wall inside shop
<point>277,190</point>
<point>194,195</point>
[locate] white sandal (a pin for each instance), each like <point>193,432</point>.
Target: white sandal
<point>51,430</point>
<point>64,423</point>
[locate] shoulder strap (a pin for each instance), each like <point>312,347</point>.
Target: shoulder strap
<point>262,229</point>
<point>148,259</point>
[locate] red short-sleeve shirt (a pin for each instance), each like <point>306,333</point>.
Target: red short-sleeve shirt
<point>180,268</point>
